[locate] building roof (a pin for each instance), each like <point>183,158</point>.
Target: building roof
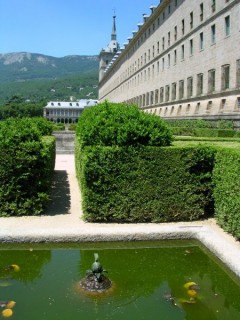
<point>81,104</point>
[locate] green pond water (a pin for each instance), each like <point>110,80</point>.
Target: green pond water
<point>143,273</point>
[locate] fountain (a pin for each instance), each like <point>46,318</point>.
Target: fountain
<point>96,281</point>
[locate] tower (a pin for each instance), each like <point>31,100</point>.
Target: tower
<point>108,53</point>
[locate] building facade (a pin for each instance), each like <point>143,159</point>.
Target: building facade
<point>182,63</point>
<point>66,112</point>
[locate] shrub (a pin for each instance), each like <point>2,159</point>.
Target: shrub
<point>26,167</point>
<point>145,184</point>
<point>114,124</point>
<point>226,191</point>
<point>200,123</point>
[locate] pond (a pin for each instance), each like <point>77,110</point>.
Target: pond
<point>150,281</point>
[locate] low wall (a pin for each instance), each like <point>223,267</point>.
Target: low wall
<point>64,142</point>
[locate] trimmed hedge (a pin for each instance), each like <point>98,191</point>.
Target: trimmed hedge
<point>226,191</point>
<point>116,124</point>
<point>200,123</point>
<point>146,184</point>
<point>26,167</point>
<point>204,132</point>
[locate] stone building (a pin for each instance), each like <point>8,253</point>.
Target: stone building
<point>183,62</point>
<point>66,112</point>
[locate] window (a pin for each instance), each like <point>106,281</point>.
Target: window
<point>169,38</point>
<point>174,90</point>
<point>213,34</point>
<point>151,97</point>
<point>167,91</point>
<point>201,43</point>
<point>213,6</point>
<point>158,68</point>
<point>188,108</point>
<point>153,51</point>
<point>238,102</point>
<point>156,96</point>
<point>169,60</point>
<point>147,99</point>
<point>227,26</point>
<point>189,87</point>
<point>183,27</point>
<point>225,76</point>
<point>209,105</point>
<point>191,20</point>
<point>158,47</point>
<point>153,70</point>
<point>197,107</point>
<point>211,80</point>
<point>179,109</point>
<point>201,12</point>
<point>238,74</point>
<point>161,94</point>
<point>181,89</point>
<point>163,43</point>
<point>222,104</point>
<point>199,83</point>
<point>175,56</point>
<point>176,3</point>
<point>169,9</point>
<point>191,47</point>
<point>163,63</point>
<point>182,52</point>
<point>143,100</point>
<point>175,33</point>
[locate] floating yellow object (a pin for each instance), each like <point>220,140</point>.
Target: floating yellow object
<point>192,293</point>
<point>7,313</point>
<point>188,285</point>
<point>10,304</point>
<point>15,267</point>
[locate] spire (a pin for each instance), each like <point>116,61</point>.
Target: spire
<point>114,33</point>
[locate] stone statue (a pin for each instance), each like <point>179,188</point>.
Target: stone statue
<point>95,279</point>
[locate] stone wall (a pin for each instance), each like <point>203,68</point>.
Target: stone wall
<point>64,142</point>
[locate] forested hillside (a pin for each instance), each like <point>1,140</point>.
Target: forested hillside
<point>38,77</point>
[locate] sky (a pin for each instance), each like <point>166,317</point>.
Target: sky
<point>67,27</point>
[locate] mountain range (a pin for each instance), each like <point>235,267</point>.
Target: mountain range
<point>23,73</point>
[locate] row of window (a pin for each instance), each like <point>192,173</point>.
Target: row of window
<point>194,108</point>
<point>70,104</point>
<point>195,18</point>
<point>147,56</point>
<point>185,88</point>
<point>63,113</point>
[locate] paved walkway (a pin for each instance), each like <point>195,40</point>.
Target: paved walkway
<point>63,223</point>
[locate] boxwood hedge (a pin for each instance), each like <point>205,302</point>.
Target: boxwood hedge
<point>26,167</point>
<point>226,175</point>
<point>145,184</point>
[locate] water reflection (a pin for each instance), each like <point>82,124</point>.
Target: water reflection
<point>145,280</point>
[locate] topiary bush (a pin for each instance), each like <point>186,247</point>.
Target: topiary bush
<point>116,124</point>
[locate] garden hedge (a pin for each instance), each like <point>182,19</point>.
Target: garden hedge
<point>26,167</point>
<point>145,184</point>
<point>226,175</point>
<point>204,132</point>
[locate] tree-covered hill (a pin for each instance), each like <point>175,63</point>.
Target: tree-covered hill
<point>36,77</point>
